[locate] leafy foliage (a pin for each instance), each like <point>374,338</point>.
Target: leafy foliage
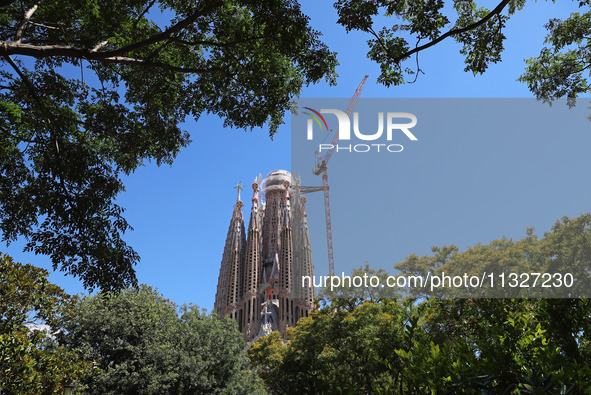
<point>478,29</point>
<point>561,70</point>
<point>334,349</point>
<point>30,308</point>
<point>345,289</point>
<point>487,346</point>
<point>360,343</point>
<point>140,345</point>
<point>98,88</point>
<point>564,250</point>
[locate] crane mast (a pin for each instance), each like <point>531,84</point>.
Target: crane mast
<point>321,169</point>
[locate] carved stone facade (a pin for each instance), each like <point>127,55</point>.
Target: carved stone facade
<point>260,281</point>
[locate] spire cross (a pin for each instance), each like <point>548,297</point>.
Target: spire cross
<point>239,187</point>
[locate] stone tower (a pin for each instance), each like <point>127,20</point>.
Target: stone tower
<point>260,281</point>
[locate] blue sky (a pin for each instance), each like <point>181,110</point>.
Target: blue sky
<point>181,214</point>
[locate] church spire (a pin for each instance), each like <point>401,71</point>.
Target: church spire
<point>229,290</point>
<point>251,302</point>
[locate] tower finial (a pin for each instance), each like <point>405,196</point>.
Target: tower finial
<point>239,187</point>
<point>255,190</point>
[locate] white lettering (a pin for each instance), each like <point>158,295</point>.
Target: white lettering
<point>374,136</point>
<point>401,126</point>
<point>395,145</point>
<point>344,123</point>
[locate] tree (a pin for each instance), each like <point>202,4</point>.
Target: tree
<point>488,346</point>
<point>30,308</point>
<point>337,349</point>
<point>561,70</point>
<point>348,294</point>
<point>360,343</point>
<point>555,265</point>
<point>140,345</point>
<point>90,90</point>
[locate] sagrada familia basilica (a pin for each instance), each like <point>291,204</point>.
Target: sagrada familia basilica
<point>260,280</point>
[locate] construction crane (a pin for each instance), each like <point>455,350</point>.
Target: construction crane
<point>321,169</point>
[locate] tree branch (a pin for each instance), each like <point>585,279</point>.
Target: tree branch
<point>45,26</point>
<point>8,48</point>
<point>16,47</point>
<point>99,46</point>
<point>380,40</point>
<point>27,17</point>
<point>418,65</point>
<point>26,81</point>
<point>36,97</point>
<point>150,63</point>
<point>167,33</point>
<point>157,50</point>
<point>216,44</point>
<point>143,13</point>
<point>454,32</point>
<point>42,51</point>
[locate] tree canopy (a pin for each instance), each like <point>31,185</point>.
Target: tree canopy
<point>30,309</point>
<point>139,344</point>
<point>90,90</point>
<point>561,69</point>
<point>362,341</point>
<point>474,346</point>
<point>562,254</point>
